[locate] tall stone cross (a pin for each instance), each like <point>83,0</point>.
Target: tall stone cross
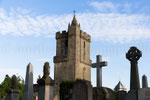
<point>133,55</point>
<point>98,65</point>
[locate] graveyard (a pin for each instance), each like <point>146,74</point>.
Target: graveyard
<point>72,73</point>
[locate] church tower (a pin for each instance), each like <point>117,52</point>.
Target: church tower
<point>72,60</point>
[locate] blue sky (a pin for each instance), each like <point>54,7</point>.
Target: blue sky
<point>28,27</point>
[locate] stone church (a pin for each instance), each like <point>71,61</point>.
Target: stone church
<point>72,60</point>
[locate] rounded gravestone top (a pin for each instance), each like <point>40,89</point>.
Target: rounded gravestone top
<point>133,54</point>
<point>14,82</point>
<point>46,70</point>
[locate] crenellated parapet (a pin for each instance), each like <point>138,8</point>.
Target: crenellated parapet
<point>85,36</point>
<point>62,35</point>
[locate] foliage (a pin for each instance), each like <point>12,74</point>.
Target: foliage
<point>116,95</point>
<point>6,84</point>
<point>65,87</point>
<point>39,77</point>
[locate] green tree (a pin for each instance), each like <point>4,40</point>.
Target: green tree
<point>6,84</point>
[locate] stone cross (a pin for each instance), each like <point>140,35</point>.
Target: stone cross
<point>99,64</point>
<point>28,89</point>
<point>133,55</point>
<point>144,82</point>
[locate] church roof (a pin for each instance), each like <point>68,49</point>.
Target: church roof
<point>120,87</point>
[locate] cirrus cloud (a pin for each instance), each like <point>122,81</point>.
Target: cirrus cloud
<point>112,27</point>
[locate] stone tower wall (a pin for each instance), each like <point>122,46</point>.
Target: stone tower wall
<point>76,62</point>
<point>72,60</point>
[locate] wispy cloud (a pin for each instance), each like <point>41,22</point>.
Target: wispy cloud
<point>104,6</point>
<point>43,59</point>
<point>112,27</point>
<point>118,7</point>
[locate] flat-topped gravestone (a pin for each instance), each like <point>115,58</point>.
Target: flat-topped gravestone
<point>144,94</point>
<point>131,95</point>
<point>141,94</point>
<point>28,89</point>
<point>82,90</point>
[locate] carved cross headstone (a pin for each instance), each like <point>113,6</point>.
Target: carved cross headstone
<point>99,64</point>
<point>133,55</point>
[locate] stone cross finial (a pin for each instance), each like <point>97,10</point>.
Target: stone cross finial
<point>99,64</point>
<point>74,12</point>
<point>133,55</point>
<point>14,82</point>
<point>46,70</point>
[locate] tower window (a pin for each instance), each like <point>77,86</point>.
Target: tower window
<point>64,47</point>
<point>84,44</point>
<point>66,43</point>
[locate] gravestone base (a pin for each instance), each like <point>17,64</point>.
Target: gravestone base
<point>122,95</point>
<point>82,90</point>
<point>13,94</point>
<point>46,92</point>
<point>45,89</point>
<point>131,95</point>
<point>103,93</point>
<point>144,94</point>
<point>141,94</point>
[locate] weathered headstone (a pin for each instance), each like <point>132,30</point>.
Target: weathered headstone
<point>82,90</point>
<point>46,84</point>
<point>141,94</point>
<point>122,95</point>
<point>103,93</point>
<point>28,89</point>
<point>133,55</point>
<point>144,94</point>
<point>132,95</point>
<point>144,82</point>
<point>99,64</point>
<point>13,92</point>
